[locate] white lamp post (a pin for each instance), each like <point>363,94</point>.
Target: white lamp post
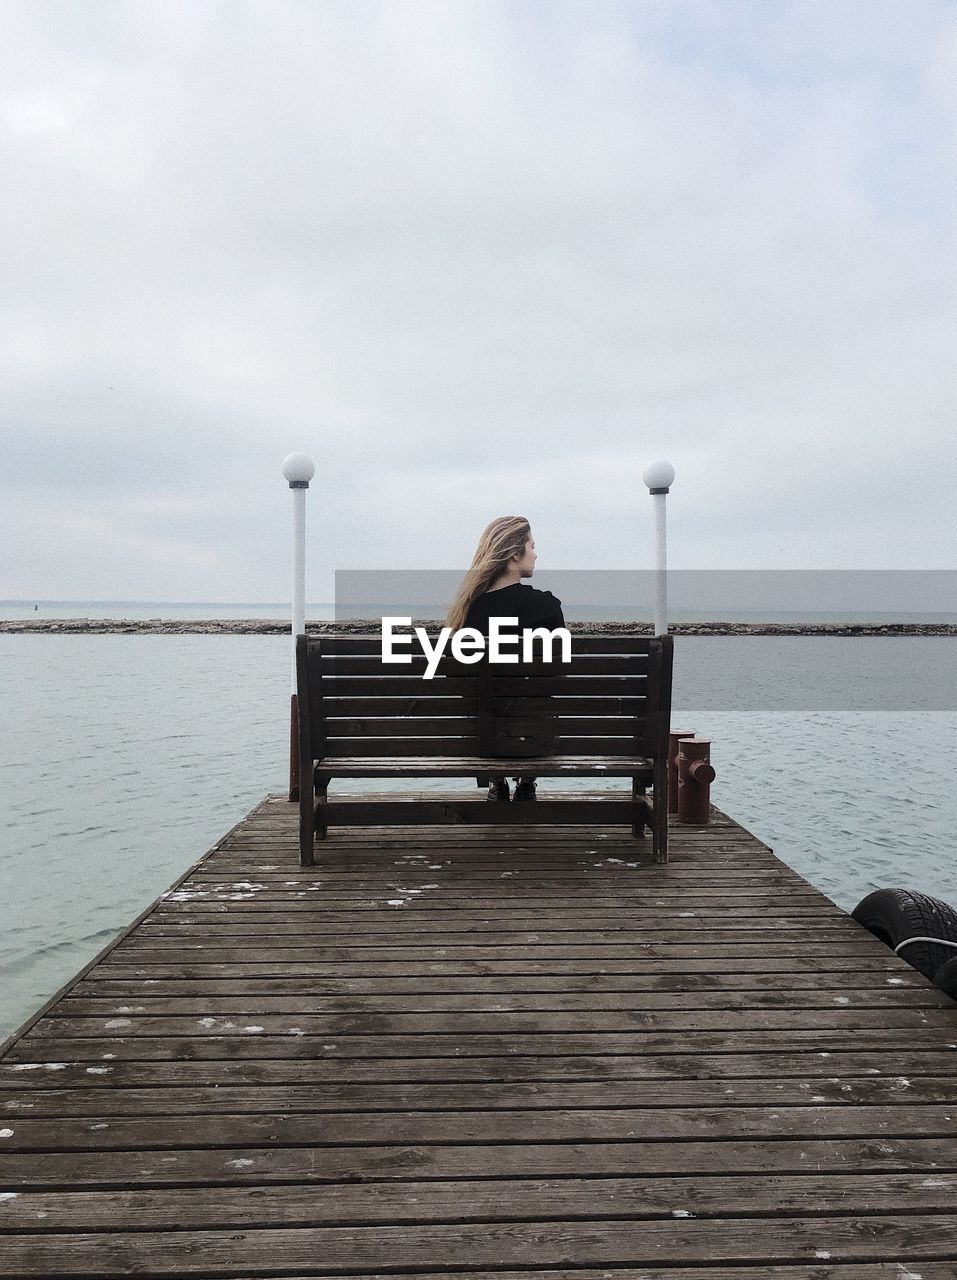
<point>659,477</point>
<point>298,470</point>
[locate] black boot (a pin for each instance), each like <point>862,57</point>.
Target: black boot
<point>498,789</point>
<point>524,789</point>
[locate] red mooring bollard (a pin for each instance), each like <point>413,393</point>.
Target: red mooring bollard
<point>695,776</point>
<point>673,739</point>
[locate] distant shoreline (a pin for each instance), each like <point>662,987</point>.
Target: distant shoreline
<point>277,626</point>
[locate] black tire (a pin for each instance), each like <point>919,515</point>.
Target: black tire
<point>894,915</point>
<point>946,977</point>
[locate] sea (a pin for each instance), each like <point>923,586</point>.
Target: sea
<point>123,758</point>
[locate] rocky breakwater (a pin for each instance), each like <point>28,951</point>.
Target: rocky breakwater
<point>280,626</point>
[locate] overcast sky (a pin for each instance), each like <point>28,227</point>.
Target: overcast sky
<point>476,258</point>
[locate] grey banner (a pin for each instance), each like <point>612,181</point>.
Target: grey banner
<point>741,671</point>
<point>694,595</point>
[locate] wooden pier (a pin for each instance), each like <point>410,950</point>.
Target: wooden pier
<point>514,1053</point>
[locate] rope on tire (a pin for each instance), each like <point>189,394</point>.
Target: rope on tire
<point>943,942</point>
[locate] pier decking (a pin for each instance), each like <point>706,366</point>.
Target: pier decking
<point>510,1053</point>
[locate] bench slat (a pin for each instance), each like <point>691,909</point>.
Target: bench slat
<point>404,726</point>
<point>581,643</point>
<point>388,813</point>
<point>571,726</point>
<point>469,743</point>
<point>415,663</point>
<point>596,705</point>
<point>557,766</point>
<point>449,726</point>
<point>415,686</point>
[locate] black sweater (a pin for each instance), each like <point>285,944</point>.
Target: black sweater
<point>532,607</point>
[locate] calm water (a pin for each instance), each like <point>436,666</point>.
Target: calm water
<point>123,758</point>
<point>139,609</point>
<point>324,610</point>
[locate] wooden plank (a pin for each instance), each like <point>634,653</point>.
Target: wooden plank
<point>487,877</point>
<point>349,893</point>
<point>500,1200</point>
<point>404,931</point>
<point>325,1166</point>
<point>245,901</point>
<point>859,987</point>
<point>311,1097</point>
<point>58,1078</point>
<point>380,1162</point>
<point>291,1044</point>
<point>401,920</point>
<point>524,1022</point>
<point>380,847</point>
<point>271,1002</point>
<point>463,1246</point>
<point>359,955</point>
<point>595,1124</point>
<point>650,958</point>
<point>824,970</point>
<point>406,928</point>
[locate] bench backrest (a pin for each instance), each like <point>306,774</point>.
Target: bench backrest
<point>612,698</point>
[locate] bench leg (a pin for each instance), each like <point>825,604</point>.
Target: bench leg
<point>312,821</point>
<point>659,821</point>
<point>638,796</point>
<point>307,828</point>
<point>322,789</point>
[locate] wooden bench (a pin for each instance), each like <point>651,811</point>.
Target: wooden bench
<point>604,714</point>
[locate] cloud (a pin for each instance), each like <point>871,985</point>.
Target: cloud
<point>473,257</point>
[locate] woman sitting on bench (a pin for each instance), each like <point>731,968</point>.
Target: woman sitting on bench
<point>492,588</point>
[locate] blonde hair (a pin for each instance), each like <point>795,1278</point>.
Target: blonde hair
<point>505,537</point>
